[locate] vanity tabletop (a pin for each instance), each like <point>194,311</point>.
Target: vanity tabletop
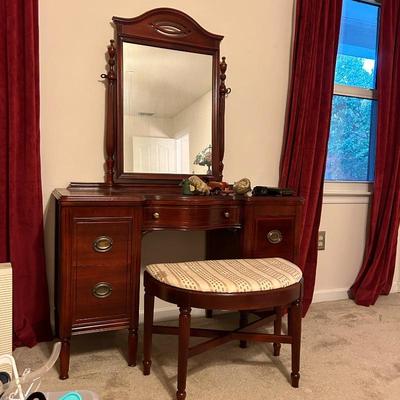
<point>95,192</point>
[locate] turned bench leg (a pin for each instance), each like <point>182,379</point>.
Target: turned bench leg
<point>243,321</point>
<point>277,329</point>
<point>294,321</point>
<point>183,352</point>
<point>147,336</point>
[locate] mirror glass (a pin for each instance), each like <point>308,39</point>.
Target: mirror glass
<point>167,122</point>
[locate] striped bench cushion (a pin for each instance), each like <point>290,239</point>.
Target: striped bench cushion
<point>228,276</point>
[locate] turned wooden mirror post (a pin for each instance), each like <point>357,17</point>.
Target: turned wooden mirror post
<point>178,36</point>
<point>110,123</point>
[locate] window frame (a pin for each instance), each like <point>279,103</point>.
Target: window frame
<point>360,93</point>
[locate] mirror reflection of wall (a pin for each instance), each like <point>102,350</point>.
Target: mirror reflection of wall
<point>167,109</point>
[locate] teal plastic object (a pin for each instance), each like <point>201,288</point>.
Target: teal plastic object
<point>71,396</point>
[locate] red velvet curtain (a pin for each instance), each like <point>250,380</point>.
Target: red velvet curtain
<point>21,213</point>
<point>376,274</point>
<point>308,120</point>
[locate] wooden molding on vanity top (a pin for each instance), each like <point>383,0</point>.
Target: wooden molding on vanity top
<point>99,192</point>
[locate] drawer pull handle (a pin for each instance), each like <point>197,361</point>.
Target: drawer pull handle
<point>156,215</point>
<point>227,214</point>
<point>102,244</point>
<point>102,290</point>
<point>275,236</point>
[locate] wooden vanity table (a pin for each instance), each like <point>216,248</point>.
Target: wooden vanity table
<point>100,225</point>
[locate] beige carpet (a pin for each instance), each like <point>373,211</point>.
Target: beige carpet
<point>348,352</point>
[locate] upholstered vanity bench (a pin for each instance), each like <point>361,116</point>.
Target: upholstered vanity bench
<point>234,284</point>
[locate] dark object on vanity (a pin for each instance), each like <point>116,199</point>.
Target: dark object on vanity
<point>272,191</point>
<point>100,225</point>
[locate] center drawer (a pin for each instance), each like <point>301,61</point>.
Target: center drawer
<point>200,217</point>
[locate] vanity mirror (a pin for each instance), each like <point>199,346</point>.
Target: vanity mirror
<point>166,101</point>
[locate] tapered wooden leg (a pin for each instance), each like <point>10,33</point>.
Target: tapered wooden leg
<point>132,346</point>
<point>209,313</point>
<point>295,332</point>
<point>243,321</point>
<point>64,358</point>
<point>277,329</point>
<point>148,327</point>
<point>184,335</point>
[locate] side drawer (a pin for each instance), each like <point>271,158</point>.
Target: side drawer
<point>101,242</point>
<point>102,264</point>
<point>274,237</point>
<point>101,292</point>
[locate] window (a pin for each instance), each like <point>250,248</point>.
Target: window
<point>351,147</point>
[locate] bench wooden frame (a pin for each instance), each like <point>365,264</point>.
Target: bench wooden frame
<point>289,298</point>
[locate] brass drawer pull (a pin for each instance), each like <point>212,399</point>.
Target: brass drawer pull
<point>102,290</point>
<point>275,236</point>
<point>156,215</point>
<point>102,244</point>
<point>227,214</point>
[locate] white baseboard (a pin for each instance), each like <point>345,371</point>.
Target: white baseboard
<point>395,287</point>
<point>342,293</point>
<point>172,313</point>
<point>330,295</point>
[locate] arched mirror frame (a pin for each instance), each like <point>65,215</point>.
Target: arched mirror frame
<point>171,29</point>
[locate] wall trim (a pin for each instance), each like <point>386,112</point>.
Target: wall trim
<point>169,313</point>
<point>395,287</point>
<point>330,295</point>
<point>347,192</point>
<point>340,199</point>
<point>342,293</point>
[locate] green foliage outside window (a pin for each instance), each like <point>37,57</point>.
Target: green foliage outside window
<point>352,123</point>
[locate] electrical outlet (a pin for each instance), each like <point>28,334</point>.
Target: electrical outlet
<point>321,240</point>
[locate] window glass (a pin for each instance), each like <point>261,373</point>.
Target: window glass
<point>351,145</point>
<point>357,53</point>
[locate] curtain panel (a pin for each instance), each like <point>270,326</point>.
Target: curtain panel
<point>21,211</point>
<point>376,273</point>
<point>317,26</point>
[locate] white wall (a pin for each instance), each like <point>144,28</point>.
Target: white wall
<point>73,39</point>
<point>345,224</point>
<point>196,120</point>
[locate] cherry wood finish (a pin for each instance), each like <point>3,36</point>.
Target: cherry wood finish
<point>171,29</point>
<point>110,127</point>
<point>97,289</point>
<point>289,297</point>
<point>81,270</point>
<point>100,225</point>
